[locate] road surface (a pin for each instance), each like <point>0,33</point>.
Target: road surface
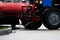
<point>40,34</point>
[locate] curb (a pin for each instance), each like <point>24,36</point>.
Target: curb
<point>7,31</point>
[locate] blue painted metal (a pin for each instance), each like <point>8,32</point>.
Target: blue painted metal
<point>47,3</point>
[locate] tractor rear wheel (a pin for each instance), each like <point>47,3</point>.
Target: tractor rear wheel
<point>51,19</point>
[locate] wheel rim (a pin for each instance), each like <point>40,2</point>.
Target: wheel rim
<point>53,18</point>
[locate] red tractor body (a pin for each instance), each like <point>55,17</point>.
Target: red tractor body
<point>13,9</point>
<point>31,13</point>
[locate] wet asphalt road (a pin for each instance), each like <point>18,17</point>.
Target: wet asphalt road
<point>40,34</point>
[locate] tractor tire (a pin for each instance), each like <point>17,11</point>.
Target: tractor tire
<point>51,18</point>
<point>33,25</point>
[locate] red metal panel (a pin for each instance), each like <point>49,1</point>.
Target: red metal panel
<point>9,7</point>
<point>12,6</point>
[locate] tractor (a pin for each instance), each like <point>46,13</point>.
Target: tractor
<point>32,13</point>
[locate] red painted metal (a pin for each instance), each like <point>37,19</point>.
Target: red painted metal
<point>11,8</point>
<point>14,9</point>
